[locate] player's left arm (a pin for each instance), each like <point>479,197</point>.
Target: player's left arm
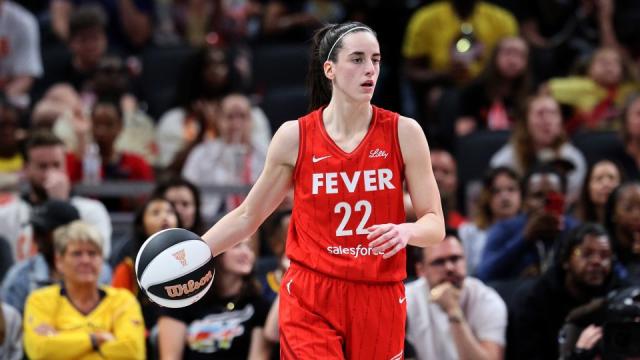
<point>425,197</point>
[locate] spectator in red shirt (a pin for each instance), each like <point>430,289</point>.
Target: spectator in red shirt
<point>107,124</point>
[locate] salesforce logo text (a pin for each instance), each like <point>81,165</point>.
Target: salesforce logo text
<point>353,251</point>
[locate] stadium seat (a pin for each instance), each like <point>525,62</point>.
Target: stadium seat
<point>596,145</point>
<point>279,65</point>
<point>162,68</point>
<point>54,60</point>
<point>447,111</point>
<point>282,104</point>
<point>122,225</point>
<point>474,152</point>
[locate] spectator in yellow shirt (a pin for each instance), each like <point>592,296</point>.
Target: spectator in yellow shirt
<point>449,42</point>
<point>76,319</point>
<point>596,98</point>
<point>433,30</point>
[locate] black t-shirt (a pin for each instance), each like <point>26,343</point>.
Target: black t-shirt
<point>216,332</point>
<point>475,102</point>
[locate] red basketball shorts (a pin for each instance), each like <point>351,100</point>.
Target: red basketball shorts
<point>328,318</point>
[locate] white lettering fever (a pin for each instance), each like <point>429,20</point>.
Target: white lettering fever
<point>332,183</point>
<point>372,180</point>
<point>350,183</point>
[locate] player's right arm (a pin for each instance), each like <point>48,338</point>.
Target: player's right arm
<point>265,196</point>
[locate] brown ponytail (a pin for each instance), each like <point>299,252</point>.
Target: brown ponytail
<point>326,39</point>
<point>3,326</point>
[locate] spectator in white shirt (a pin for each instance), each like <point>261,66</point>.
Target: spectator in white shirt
<point>235,158</point>
<point>20,59</point>
<point>450,315</point>
<point>47,174</point>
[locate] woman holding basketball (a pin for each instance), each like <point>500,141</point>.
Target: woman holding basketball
<point>343,296</point>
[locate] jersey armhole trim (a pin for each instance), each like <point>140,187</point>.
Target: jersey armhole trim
<point>396,136</point>
<point>301,148</point>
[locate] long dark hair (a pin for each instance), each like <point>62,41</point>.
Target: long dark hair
<point>586,210</point>
<point>626,112</point>
<point>523,146</point>
<point>139,234</point>
<point>3,326</point>
<point>492,79</point>
<point>324,39</point>
<point>192,86</point>
<point>610,222</point>
<point>251,287</point>
<point>176,182</point>
<point>485,216</point>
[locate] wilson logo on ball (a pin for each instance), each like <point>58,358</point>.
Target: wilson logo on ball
<point>181,256</point>
<point>187,288</point>
<point>174,268</point>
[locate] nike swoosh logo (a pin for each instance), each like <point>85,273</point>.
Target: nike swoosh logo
<point>402,300</point>
<point>289,286</point>
<point>315,159</point>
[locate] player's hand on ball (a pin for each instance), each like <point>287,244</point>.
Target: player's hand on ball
<point>388,238</point>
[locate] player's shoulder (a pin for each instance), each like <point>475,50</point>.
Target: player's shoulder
<point>411,137</point>
<point>407,121</point>
<point>289,126</point>
<point>408,127</point>
<point>285,143</point>
<point>288,131</point>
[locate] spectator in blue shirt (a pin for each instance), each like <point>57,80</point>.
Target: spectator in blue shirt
<point>523,246</point>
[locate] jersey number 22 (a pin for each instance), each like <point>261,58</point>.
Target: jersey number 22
<point>346,207</point>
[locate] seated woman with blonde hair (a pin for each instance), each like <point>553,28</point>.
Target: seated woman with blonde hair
<point>77,319</point>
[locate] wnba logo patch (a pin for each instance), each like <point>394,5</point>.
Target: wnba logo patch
<point>181,256</point>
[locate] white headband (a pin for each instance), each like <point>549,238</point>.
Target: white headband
<point>340,38</point>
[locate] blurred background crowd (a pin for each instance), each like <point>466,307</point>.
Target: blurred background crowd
<point>119,118</point>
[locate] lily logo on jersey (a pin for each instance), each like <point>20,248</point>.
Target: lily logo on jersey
<point>315,159</point>
<point>378,153</point>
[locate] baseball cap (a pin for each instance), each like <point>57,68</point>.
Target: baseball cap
<point>53,214</point>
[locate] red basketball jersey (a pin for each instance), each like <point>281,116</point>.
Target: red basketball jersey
<point>338,195</point>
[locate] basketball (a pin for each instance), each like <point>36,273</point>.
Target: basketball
<point>174,268</point>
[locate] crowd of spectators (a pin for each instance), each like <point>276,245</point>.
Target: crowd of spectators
<point>120,118</point>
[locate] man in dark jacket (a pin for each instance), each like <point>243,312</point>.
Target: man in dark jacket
<point>583,271</point>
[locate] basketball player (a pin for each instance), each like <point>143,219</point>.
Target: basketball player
<point>343,297</point>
